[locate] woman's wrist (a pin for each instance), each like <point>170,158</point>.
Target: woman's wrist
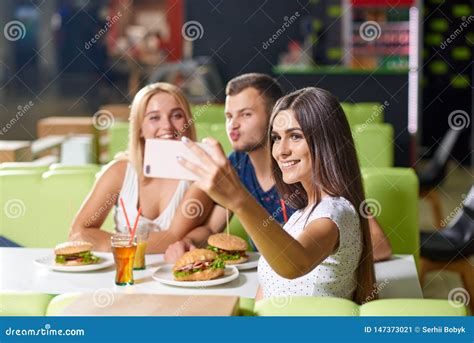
<point>242,202</point>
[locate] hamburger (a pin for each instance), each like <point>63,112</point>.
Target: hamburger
<point>198,265</point>
<point>231,249</point>
<point>75,253</point>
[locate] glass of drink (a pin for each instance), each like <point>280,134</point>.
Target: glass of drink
<point>141,235</point>
<point>124,250</point>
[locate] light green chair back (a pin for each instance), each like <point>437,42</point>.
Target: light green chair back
<point>306,306</point>
<point>23,166</point>
<point>62,193</point>
<point>208,113</point>
<point>346,107</point>
<point>364,113</point>
<point>327,306</point>
<point>24,303</point>
<point>57,305</point>
<point>412,307</point>
<point>374,145</point>
<point>236,228</point>
<point>83,167</point>
<point>392,195</point>
<point>19,206</point>
<point>118,139</point>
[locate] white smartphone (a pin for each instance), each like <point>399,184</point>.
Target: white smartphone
<point>160,159</point>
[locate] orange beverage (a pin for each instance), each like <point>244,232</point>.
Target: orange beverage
<point>142,234</point>
<point>139,262</point>
<point>124,256</point>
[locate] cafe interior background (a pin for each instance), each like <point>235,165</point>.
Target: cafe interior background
<point>70,68</point>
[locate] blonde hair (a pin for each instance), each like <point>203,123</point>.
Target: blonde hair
<point>136,143</point>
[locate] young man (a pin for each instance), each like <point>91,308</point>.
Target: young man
<point>248,106</point>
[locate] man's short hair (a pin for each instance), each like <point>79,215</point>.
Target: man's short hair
<point>267,86</point>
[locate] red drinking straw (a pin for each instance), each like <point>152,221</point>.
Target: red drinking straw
<point>283,207</point>
<point>132,234</point>
<point>126,217</point>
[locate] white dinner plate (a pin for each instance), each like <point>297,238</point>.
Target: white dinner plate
<point>106,260</point>
<point>164,274</point>
<point>251,263</point>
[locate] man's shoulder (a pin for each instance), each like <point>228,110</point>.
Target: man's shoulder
<point>238,159</point>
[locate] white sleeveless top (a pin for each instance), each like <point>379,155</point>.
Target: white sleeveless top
<point>129,193</point>
<point>336,275</point>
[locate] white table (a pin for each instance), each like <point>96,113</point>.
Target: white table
<point>397,278</point>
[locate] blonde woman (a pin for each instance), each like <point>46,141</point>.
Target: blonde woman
<point>170,208</point>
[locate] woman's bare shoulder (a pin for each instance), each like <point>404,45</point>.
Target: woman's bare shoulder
<point>114,172</point>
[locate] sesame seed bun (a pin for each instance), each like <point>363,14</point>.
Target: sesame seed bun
<point>195,256</point>
<point>205,275</point>
<point>74,247</point>
<point>228,242</point>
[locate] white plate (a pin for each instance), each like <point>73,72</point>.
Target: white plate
<point>251,263</point>
<point>164,275</point>
<point>106,260</point>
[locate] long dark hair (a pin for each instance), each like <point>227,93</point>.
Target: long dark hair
<point>335,166</point>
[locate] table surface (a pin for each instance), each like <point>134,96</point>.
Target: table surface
<point>397,278</point>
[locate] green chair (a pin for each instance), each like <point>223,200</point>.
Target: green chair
<point>83,167</point>
<point>306,306</point>
<point>23,166</point>
<point>62,192</point>
<point>19,206</point>
<point>346,107</point>
<point>246,306</point>
<point>374,144</point>
<point>60,302</point>
<point>236,228</point>
<point>364,113</point>
<point>117,139</point>
<point>327,306</point>
<point>24,303</point>
<point>208,113</point>
<point>392,195</point>
<point>412,307</point>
